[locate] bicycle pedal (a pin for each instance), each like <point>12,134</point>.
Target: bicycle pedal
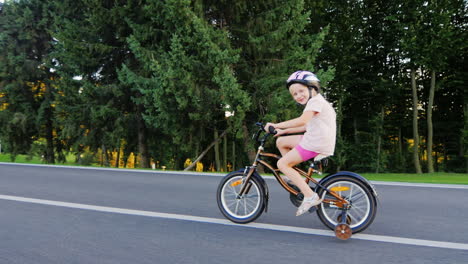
<point>313,209</point>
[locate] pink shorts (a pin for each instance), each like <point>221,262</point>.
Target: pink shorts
<point>305,154</point>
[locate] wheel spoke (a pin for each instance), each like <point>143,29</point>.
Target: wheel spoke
<point>245,206</point>
<point>351,192</point>
<point>236,210</point>
<point>361,203</point>
<point>335,213</point>
<point>251,202</point>
<point>353,217</point>
<point>231,203</point>
<point>232,188</point>
<point>357,197</point>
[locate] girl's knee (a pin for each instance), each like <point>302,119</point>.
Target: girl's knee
<point>282,164</point>
<point>280,142</point>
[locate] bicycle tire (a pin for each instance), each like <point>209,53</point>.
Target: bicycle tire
<point>363,204</point>
<point>244,209</point>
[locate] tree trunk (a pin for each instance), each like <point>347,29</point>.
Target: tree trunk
<point>204,152</point>
<point>225,146</point>
<point>125,159</point>
<point>50,155</point>
<point>464,136</point>
<point>356,138</point>
<point>117,160</point>
<point>216,149</point>
<point>430,162</point>
<point>341,155</point>
<point>142,145</point>
<point>49,127</point>
<point>379,139</point>
<point>234,155</point>
<point>105,157</point>
<point>417,164</point>
<point>400,148</point>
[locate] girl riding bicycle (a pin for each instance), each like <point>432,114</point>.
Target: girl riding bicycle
<point>318,121</point>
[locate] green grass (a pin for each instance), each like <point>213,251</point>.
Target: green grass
<point>440,177</point>
<point>33,160</point>
<point>20,159</point>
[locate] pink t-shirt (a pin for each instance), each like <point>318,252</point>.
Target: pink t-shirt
<point>320,135</point>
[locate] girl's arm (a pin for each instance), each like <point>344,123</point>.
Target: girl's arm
<point>296,122</point>
<point>291,130</point>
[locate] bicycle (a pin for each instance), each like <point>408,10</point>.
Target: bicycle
<point>349,200</point>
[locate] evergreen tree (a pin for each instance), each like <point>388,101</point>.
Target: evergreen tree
<point>27,79</point>
<point>187,80</point>
<point>92,45</point>
<point>273,43</point>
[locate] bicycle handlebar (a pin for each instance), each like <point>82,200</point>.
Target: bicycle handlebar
<point>271,131</point>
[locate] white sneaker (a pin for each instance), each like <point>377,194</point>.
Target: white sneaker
<point>307,203</point>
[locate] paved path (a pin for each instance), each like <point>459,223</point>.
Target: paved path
<point>76,215</point>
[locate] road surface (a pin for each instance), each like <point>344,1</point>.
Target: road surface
<point>81,215</point>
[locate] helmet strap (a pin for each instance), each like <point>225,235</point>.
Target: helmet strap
<point>314,87</point>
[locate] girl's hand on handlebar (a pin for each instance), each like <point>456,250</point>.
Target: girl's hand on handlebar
<point>280,132</point>
<point>267,126</point>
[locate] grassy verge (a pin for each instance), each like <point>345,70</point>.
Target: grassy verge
<point>33,160</point>
<point>21,159</point>
<point>440,177</point>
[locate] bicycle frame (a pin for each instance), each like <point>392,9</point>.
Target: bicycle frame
<point>340,202</point>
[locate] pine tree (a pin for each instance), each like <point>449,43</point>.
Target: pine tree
<point>92,44</point>
<point>273,43</point>
<point>27,79</point>
<point>187,80</point>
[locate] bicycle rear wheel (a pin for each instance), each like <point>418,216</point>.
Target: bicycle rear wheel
<point>240,209</point>
<point>363,204</point>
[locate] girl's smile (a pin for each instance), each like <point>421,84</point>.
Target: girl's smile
<point>300,93</point>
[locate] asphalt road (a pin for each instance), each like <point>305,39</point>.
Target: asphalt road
<point>71,215</point>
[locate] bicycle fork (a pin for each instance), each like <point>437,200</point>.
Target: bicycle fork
<point>246,182</point>
<point>251,169</point>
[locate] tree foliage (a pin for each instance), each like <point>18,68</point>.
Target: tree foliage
<point>163,79</point>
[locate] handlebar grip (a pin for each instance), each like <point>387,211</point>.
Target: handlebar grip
<point>272,130</point>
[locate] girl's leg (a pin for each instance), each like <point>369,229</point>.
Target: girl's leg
<point>285,165</point>
<point>286,143</point>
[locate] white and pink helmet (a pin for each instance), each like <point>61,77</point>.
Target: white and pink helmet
<point>306,78</point>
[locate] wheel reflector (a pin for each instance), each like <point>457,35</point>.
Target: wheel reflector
<point>339,188</point>
<point>236,183</point>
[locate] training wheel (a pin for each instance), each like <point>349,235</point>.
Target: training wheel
<point>343,231</point>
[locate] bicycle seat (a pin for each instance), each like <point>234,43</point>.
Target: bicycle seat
<point>320,159</point>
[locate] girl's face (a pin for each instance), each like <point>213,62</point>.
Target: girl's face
<point>300,93</point>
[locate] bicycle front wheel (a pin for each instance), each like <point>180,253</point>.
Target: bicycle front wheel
<point>244,208</point>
